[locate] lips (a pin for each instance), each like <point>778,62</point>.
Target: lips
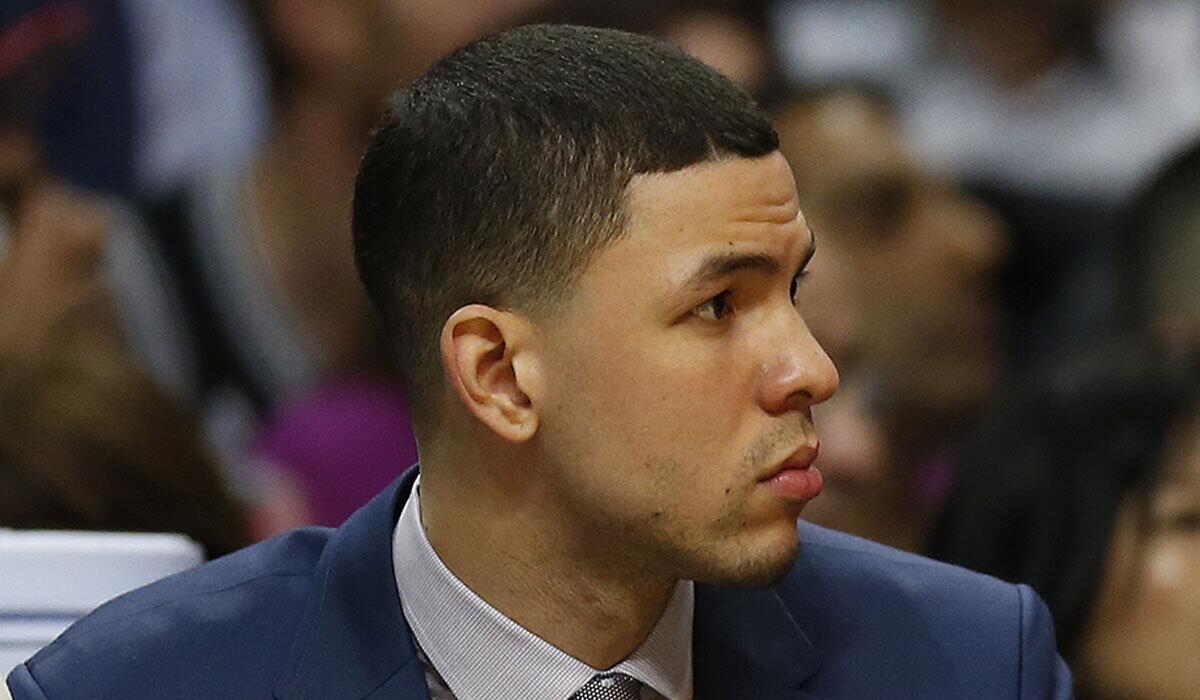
<point>796,478</point>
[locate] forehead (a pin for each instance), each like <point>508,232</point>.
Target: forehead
<point>678,223</point>
<point>735,203</point>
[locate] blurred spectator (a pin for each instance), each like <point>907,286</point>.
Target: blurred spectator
<point>261,254</point>
<point>70,264</point>
<point>75,267</point>
<point>161,91</point>
<point>1085,483</point>
<point>729,35</point>
<point>50,242</point>
<point>51,278</point>
<point>921,260</point>
<point>1075,99</point>
<point>854,459</point>
<point>200,90</point>
<point>88,442</point>
<point>725,41</point>
<point>87,119</point>
<point>339,446</point>
<point>1161,252</point>
<point>1052,112</point>
<point>87,439</point>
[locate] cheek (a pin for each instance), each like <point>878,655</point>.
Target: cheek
<point>1148,627</point>
<point>665,376</point>
<point>1171,597</point>
<point>648,400</point>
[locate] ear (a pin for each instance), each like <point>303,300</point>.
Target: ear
<point>491,362</point>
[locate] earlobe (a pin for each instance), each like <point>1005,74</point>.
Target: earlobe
<point>485,355</point>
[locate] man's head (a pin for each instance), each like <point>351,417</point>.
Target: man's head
<point>585,248</point>
<point>922,255</point>
<point>500,173</point>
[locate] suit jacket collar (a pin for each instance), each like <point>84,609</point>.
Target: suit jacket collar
<point>353,639</point>
<point>748,642</point>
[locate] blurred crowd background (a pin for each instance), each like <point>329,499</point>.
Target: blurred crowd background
<point>1006,195</point>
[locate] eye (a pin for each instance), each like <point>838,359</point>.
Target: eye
<point>715,308</point>
<point>796,282</point>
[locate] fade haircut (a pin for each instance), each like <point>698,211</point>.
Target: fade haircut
<point>499,173</point>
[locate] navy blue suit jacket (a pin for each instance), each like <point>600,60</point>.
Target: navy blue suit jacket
<point>315,614</point>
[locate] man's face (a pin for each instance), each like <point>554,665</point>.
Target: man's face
<point>923,255</point>
<point>681,376</point>
<point>1144,630</point>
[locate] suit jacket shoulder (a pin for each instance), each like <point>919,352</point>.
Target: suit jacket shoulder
<point>316,614</point>
<point>195,631</point>
<point>313,613</point>
<point>880,623</point>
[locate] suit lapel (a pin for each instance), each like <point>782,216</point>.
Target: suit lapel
<point>746,643</point>
<point>353,639</point>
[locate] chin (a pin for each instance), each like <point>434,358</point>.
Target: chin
<point>759,565</point>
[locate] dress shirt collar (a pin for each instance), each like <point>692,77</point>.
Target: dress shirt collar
<point>483,654</point>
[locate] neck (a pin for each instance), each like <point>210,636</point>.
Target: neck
<point>501,540</point>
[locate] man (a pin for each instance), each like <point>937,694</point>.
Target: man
<point>586,249</point>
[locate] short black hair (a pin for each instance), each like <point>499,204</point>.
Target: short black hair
<point>499,173</point>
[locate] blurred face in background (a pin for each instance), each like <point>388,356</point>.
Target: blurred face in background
<point>1018,41</point>
<point>853,459</point>
<point>922,256</point>
<point>51,253</point>
<point>51,236</point>
<point>724,42</point>
<point>364,49</point>
<point>431,29</point>
<point>1144,637</point>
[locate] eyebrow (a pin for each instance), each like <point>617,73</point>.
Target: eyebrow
<point>720,265</point>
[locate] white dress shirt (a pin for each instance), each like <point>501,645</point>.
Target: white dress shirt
<point>479,653</point>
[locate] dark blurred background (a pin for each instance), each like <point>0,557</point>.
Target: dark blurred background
<point>1006,195</point>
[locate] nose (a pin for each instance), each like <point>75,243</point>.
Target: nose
<point>799,373</point>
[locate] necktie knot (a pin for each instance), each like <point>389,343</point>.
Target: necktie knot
<point>610,686</point>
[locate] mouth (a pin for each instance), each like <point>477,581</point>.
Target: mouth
<point>796,478</point>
